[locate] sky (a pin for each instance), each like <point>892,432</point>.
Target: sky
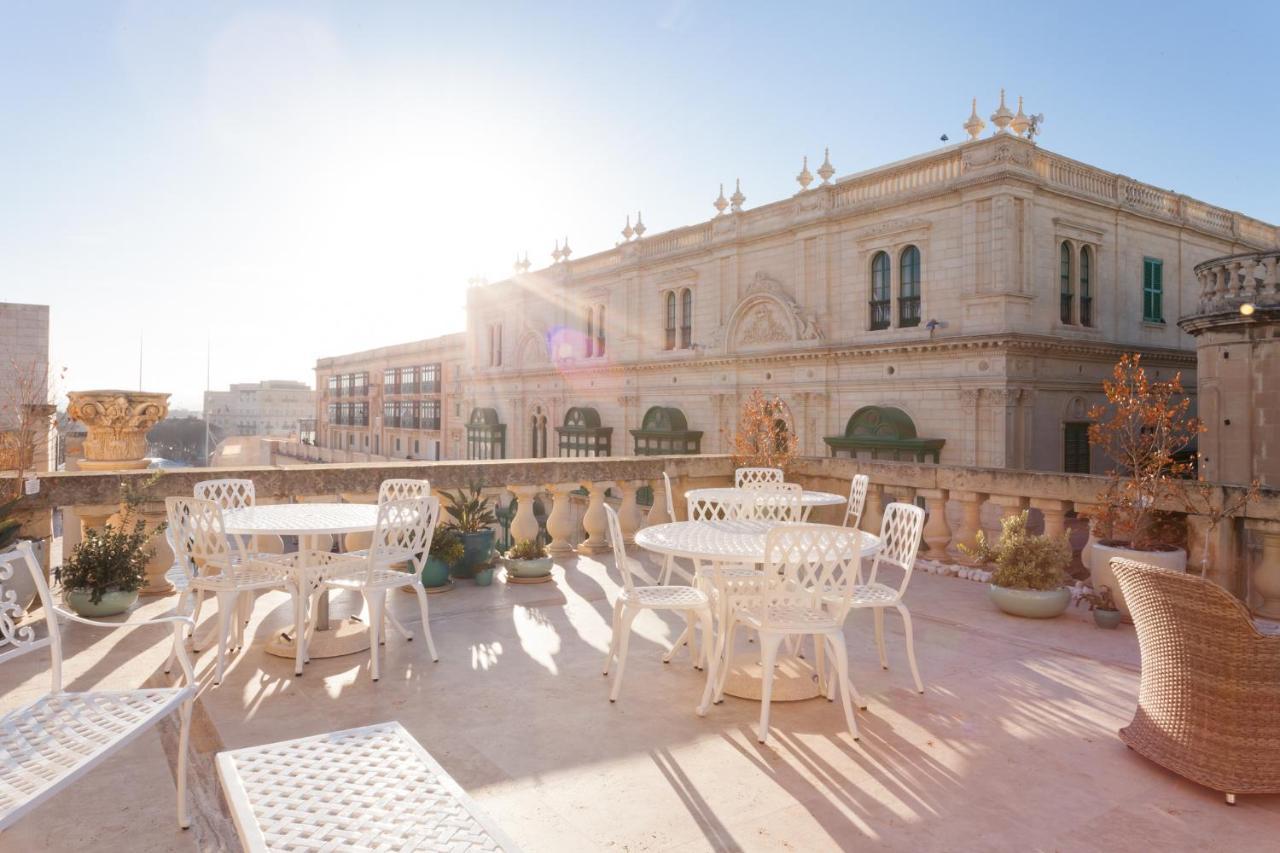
<point>271,183</point>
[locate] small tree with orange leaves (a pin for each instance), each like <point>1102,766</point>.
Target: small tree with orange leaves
<point>1143,429</point>
<point>762,439</point>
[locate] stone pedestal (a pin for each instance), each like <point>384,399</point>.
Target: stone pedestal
<point>117,424</point>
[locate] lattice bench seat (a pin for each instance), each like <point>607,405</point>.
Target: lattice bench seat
<point>367,789</point>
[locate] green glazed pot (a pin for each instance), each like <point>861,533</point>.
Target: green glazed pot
<point>435,574</point>
<point>1031,603</point>
<point>477,550</point>
<point>484,577</point>
<point>1109,619</point>
<point>113,603</point>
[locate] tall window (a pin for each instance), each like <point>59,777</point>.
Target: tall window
<point>880,291</point>
<point>600,331</point>
<point>1086,291</point>
<point>909,287</point>
<point>390,416</point>
<point>1064,278</point>
<point>1075,448</point>
<point>686,319</point>
<point>670,325</point>
<point>495,345</point>
<point>1153,290</point>
<point>591,333</point>
<point>389,380</point>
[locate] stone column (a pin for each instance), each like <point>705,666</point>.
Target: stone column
<point>970,521</point>
<point>873,510</point>
<point>937,533</point>
<point>594,521</point>
<point>1055,515</point>
<point>162,555</point>
<point>1089,512</point>
<point>1265,581</point>
<point>658,511</point>
<point>559,521</point>
<point>525,524</point>
<point>628,517</point>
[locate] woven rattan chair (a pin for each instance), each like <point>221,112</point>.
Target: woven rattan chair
<point>1209,699</point>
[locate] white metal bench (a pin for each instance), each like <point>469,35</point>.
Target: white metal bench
<point>367,789</point>
<point>49,743</point>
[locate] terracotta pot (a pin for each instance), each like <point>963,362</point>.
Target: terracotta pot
<point>1100,566</point>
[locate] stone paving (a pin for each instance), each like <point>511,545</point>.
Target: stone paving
<point>1012,746</point>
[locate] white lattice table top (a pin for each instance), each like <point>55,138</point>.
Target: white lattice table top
<point>301,519</point>
<point>736,541</point>
<point>725,494</point>
<point>368,789</point>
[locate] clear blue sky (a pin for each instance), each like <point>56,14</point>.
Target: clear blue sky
<point>293,180</point>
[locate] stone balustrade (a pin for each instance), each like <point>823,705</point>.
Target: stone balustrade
<point>1229,282</point>
<point>960,500</point>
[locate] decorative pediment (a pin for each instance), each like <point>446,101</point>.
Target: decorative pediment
<point>768,316</point>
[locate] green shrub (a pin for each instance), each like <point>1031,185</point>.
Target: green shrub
<point>446,547</point>
<point>1024,560</point>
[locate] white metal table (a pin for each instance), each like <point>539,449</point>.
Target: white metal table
<point>311,523</point>
<point>736,542</point>
<point>724,494</point>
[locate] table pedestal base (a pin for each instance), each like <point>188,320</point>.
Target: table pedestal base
<point>344,637</point>
<point>793,680</point>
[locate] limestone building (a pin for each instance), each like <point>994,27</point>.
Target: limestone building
<point>400,402</point>
<point>271,407</point>
<point>24,378</point>
<point>963,305</point>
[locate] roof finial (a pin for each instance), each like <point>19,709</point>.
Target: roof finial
<point>721,202</point>
<point>628,232</point>
<point>826,170</point>
<point>1002,116</point>
<point>556,255</point>
<point>566,251</point>
<point>1020,122</point>
<point>524,265</point>
<point>804,178</point>
<point>975,124</point>
<point>737,198</point>
<point>640,229</point>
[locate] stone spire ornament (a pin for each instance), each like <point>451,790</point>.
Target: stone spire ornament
<point>805,177</point>
<point>737,198</point>
<point>628,232</point>
<point>1020,122</point>
<point>721,202</point>
<point>566,251</point>
<point>1001,117</point>
<point>556,255</point>
<point>826,170</point>
<point>640,227</point>
<point>975,124</point>
<point>524,265</point>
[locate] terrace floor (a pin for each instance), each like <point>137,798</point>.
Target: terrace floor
<point>1012,746</point>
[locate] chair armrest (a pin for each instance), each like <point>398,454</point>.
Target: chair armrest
<point>158,620</point>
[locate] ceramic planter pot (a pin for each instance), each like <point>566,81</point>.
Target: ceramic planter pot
<point>484,577</point>
<point>1031,603</point>
<point>1100,566</point>
<point>477,551</point>
<point>113,603</point>
<point>1108,619</point>
<point>528,570</point>
<point>435,573</point>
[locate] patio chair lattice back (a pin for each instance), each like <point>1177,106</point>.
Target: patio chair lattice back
<point>773,502</point>
<point>900,537</point>
<point>627,567</point>
<point>403,489</point>
<point>808,566</point>
<point>199,537</point>
<point>403,532</point>
<point>228,494</point>
<point>857,500</point>
<point>750,478</point>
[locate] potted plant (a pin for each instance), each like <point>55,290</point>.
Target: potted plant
<point>762,439</point>
<point>446,551</point>
<point>527,562</point>
<point>1145,430</point>
<point>108,566</point>
<point>1103,606</point>
<point>1030,570</point>
<point>471,517</point>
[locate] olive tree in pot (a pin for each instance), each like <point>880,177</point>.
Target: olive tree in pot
<point>1030,570</point>
<point>471,517</point>
<point>1145,429</point>
<point>108,566</point>
<point>527,562</point>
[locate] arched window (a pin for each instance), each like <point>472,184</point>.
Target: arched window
<point>909,287</point>
<point>670,326</point>
<point>599,331</point>
<point>880,291</point>
<point>686,319</point>
<point>1064,276</point>
<point>591,334</point>
<point>1086,292</point>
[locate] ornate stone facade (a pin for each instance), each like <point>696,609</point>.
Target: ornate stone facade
<point>984,289</point>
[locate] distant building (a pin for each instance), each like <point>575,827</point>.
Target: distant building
<point>24,371</point>
<point>401,401</point>
<point>271,407</point>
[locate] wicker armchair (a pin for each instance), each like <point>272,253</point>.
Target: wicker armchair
<point>1209,700</point>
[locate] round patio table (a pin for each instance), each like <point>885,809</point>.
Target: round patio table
<point>808,499</point>
<point>311,523</point>
<point>736,542</point>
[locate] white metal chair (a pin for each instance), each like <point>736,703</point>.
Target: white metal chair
<point>217,563</point>
<point>669,564</point>
<point>774,501</point>
<point>749,478</point>
<point>632,600</point>
<point>237,494</point>
<point>401,490</point>
<point>900,539</point>
<point>805,590</point>
<point>857,500</point>
<point>402,534</point>
<point>49,743</point>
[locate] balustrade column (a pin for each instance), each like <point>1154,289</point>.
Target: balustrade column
<point>1010,505</point>
<point>873,510</point>
<point>970,524</point>
<point>162,556</point>
<point>1214,552</point>
<point>361,539</point>
<point>1266,574</point>
<point>524,527</point>
<point>594,521</point>
<point>937,533</point>
<point>1055,515</point>
<point>628,517</point>
<point>560,520</point>
<point>658,510</point>
<point>1089,512</point>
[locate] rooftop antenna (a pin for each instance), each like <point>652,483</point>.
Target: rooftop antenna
<point>208,349</point>
<point>139,360</point>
